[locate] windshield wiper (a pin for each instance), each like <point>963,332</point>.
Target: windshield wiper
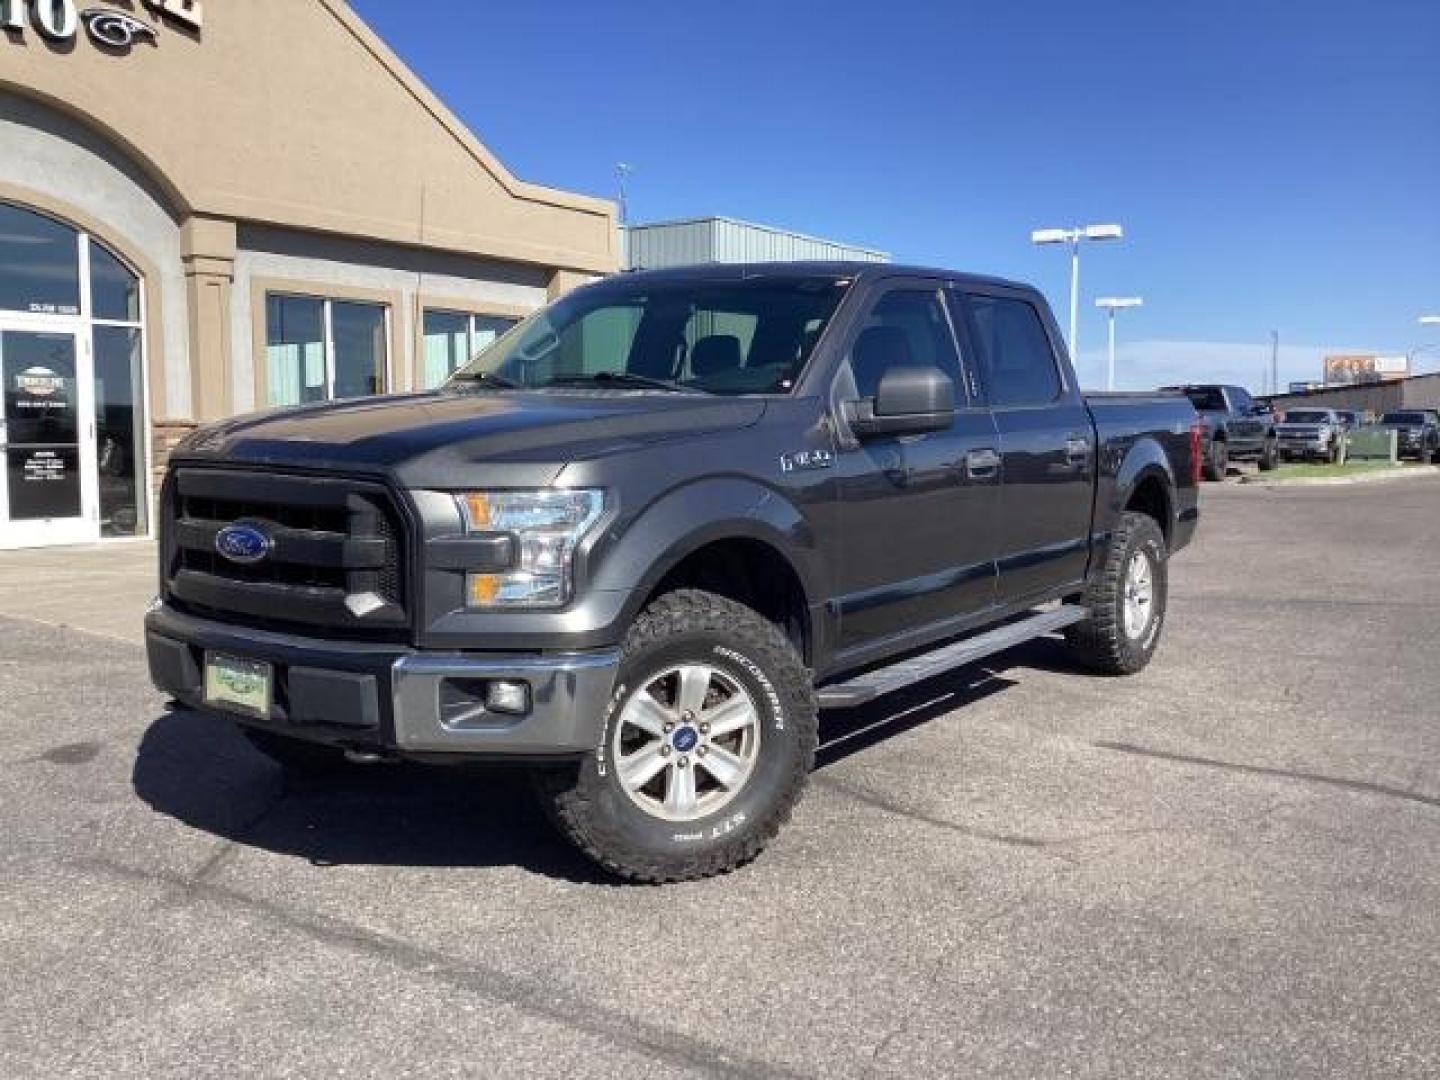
<point>486,378</point>
<point>624,378</point>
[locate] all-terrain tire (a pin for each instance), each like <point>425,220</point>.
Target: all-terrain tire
<point>1217,462</point>
<point>296,755</point>
<point>1270,456</point>
<point>1102,642</point>
<point>591,806</point>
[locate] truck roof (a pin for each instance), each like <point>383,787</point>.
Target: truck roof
<point>838,269</point>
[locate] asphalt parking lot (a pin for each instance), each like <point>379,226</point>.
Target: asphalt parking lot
<point>1227,865</point>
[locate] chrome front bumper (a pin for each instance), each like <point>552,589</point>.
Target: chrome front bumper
<point>383,698</point>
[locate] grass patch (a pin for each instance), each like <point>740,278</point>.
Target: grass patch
<point>1301,470</point>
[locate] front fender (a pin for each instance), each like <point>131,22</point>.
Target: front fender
<point>685,519</point>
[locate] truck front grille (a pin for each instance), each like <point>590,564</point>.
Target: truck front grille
<point>334,561</point>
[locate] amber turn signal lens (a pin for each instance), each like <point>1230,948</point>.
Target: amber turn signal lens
<point>477,508</point>
<point>484,588</point>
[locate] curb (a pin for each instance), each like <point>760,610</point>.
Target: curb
<point>1378,476</point>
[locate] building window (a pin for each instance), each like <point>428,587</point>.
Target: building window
<point>453,338</point>
<point>39,264</point>
<point>321,350</point>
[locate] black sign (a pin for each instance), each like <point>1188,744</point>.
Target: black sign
<point>43,482</point>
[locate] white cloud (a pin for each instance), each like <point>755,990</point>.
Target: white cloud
<point>1143,365</point>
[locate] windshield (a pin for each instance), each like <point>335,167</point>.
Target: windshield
<point>1307,416</point>
<point>748,336</point>
<point>1206,398</point>
<point>1403,418</point>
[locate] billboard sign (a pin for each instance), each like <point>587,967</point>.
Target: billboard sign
<point>1350,370</point>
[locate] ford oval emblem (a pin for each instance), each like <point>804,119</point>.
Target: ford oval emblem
<point>243,543</point>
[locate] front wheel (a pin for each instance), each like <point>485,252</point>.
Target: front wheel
<point>1270,456</point>
<point>707,745</point>
<point>1126,601</point>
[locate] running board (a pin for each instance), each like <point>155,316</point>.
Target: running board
<point>877,683</point>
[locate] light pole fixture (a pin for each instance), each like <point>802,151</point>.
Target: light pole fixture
<point>1074,237</point>
<point>1112,304</point>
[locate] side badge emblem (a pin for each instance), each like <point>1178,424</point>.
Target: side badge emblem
<point>806,460</point>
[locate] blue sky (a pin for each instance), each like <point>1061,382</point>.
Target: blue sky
<point>1276,164</point>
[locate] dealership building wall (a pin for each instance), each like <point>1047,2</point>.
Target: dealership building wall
<point>251,205</point>
<point>1418,392</point>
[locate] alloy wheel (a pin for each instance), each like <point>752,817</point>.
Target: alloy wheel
<point>687,742</point>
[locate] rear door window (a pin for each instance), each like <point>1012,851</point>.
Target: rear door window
<point>1016,356</point>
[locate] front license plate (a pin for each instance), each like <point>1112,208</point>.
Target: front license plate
<point>238,685</point>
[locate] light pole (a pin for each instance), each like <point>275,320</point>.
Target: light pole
<point>1112,304</point>
<point>622,177</point>
<point>1074,237</point>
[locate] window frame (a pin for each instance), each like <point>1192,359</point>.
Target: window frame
<point>472,310</point>
<point>962,291</point>
<point>261,289</point>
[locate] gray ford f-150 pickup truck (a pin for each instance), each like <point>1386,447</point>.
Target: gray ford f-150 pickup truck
<point>639,542</point>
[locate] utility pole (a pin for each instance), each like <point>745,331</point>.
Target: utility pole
<point>1274,361</point>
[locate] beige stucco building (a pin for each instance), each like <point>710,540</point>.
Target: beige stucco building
<point>214,206</point>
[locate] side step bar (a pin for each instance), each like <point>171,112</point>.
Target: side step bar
<point>881,681</point>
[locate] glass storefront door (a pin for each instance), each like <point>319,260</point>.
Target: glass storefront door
<point>48,482</point>
<point>73,459</point>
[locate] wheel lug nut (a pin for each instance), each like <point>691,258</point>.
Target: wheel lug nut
<point>702,751</point>
<point>665,750</point>
<point>669,727</point>
<point>704,729</point>
<point>683,762</point>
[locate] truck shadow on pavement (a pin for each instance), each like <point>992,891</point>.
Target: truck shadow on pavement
<point>201,771</point>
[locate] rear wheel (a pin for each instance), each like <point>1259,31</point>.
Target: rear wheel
<point>1127,601</point>
<point>707,745</point>
<point>1217,464</point>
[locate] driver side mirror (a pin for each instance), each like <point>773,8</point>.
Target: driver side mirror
<point>908,401</point>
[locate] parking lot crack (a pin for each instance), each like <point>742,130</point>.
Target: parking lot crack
<point>1364,787</point>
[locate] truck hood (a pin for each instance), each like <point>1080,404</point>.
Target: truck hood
<point>420,438</point>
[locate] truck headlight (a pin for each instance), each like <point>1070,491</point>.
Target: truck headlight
<point>547,526</point>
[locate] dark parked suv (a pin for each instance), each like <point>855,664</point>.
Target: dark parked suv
<point>640,541</point>
<point>1235,427</point>
<point>1417,433</point>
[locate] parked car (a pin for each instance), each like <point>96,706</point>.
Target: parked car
<point>638,542</point>
<point>1310,435</point>
<point>1235,427</point>
<point>1417,433</point>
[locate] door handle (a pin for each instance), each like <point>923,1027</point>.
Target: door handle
<point>1077,450</point>
<point>982,464</point>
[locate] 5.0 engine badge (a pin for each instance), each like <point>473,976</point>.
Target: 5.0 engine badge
<point>805,460</point>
